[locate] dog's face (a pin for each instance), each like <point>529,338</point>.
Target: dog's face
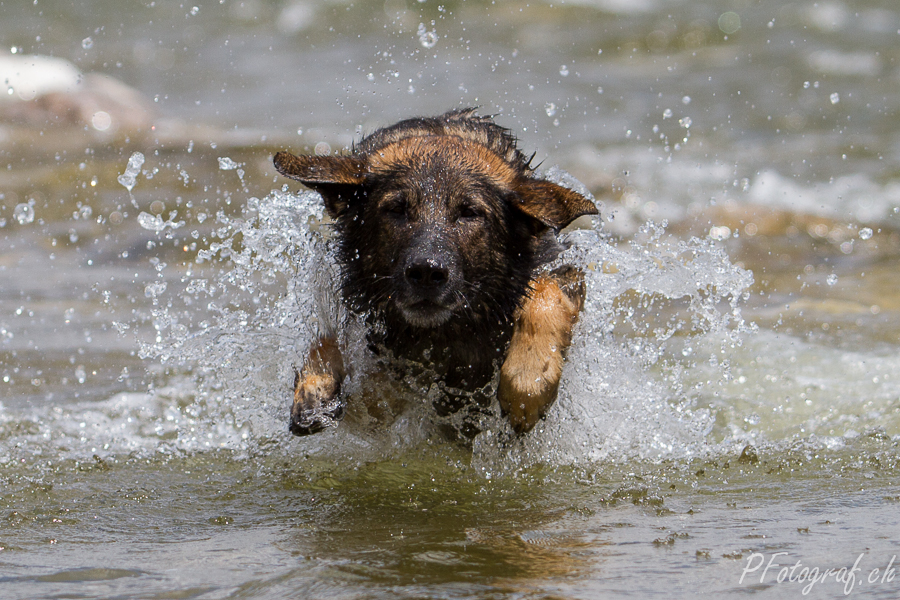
<point>439,229</point>
<point>435,227</point>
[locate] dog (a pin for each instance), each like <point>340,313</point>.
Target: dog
<point>443,233</point>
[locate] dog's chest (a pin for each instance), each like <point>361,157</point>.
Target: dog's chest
<point>457,360</point>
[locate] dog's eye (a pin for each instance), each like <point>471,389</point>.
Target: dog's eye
<point>469,211</point>
<point>396,207</point>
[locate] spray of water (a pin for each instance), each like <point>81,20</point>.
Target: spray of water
<point>244,313</point>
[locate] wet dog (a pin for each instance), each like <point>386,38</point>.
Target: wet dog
<point>443,235</point>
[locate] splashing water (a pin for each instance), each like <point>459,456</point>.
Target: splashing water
<point>156,223</point>
<point>428,39</point>
<point>129,177</point>
<point>226,164</point>
<point>267,286</point>
<point>254,286</point>
<point>622,395</point>
<point>24,213</point>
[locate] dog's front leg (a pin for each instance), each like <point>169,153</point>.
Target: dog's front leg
<point>317,389</point>
<point>529,377</point>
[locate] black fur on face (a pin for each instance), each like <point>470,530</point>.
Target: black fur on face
<point>431,246</point>
<point>441,222</point>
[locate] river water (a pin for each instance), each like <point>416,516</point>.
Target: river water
<point>731,404</point>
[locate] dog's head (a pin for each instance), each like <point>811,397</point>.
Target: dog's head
<point>438,218</point>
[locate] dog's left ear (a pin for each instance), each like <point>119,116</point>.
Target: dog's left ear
<point>338,179</point>
<point>552,204</point>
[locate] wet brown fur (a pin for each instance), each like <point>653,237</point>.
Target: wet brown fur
<point>442,230</point>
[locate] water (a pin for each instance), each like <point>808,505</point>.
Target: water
<point>731,392</point>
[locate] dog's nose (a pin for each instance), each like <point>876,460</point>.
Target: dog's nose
<point>427,273</point>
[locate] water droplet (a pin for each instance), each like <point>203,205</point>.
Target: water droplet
<point>719,232</point>
<point>129,177</point>
<point>667,114</point>
<point>151,222</point>
<point>685,122</point>
<point>195,10</point>
<point>152,290</point>
<point>370,76</point>
<point>428,39</point>
<point>835,98</point>
<point>550,109</point>
<point>729,22</point>
<point>87,43</point>
<point>24,213</point>
<point>686,100</point>
<point>865,233</point>
<point>564,71</point>
<point>226,164</point>
<point>101,121</point>
<point>322,149</point>
<point>831,279</point>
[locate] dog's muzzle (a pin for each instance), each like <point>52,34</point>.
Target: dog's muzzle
<point>428,300</point>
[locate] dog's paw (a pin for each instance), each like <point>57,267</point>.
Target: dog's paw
<point>528,387</point>
<point>317,404</point>
<point>529,377</point>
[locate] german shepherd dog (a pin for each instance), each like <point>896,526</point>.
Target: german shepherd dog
<point>443,235</point>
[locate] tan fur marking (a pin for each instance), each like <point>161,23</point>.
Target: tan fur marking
<point>464,152</point>
<point>319,382</point>
<point>529,377</point>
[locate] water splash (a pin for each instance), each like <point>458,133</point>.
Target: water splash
<point>649,303</point>
<point>428,39</point>
<point>24,213</point>
<point>243,313</point>
<point>240,318</point>
<point>129,177</point>
<point>156,223</point>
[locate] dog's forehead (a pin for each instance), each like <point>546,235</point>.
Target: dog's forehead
<point>449,153</point>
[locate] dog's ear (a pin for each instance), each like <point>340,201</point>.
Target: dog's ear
<point>339,179</point>
<point>553,205</point>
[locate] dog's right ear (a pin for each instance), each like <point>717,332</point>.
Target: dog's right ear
<point>339,179</point>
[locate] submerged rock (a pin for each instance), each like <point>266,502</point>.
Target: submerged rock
<point>44,91</point>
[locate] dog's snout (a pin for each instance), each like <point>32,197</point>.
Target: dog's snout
<point>427,273</point>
